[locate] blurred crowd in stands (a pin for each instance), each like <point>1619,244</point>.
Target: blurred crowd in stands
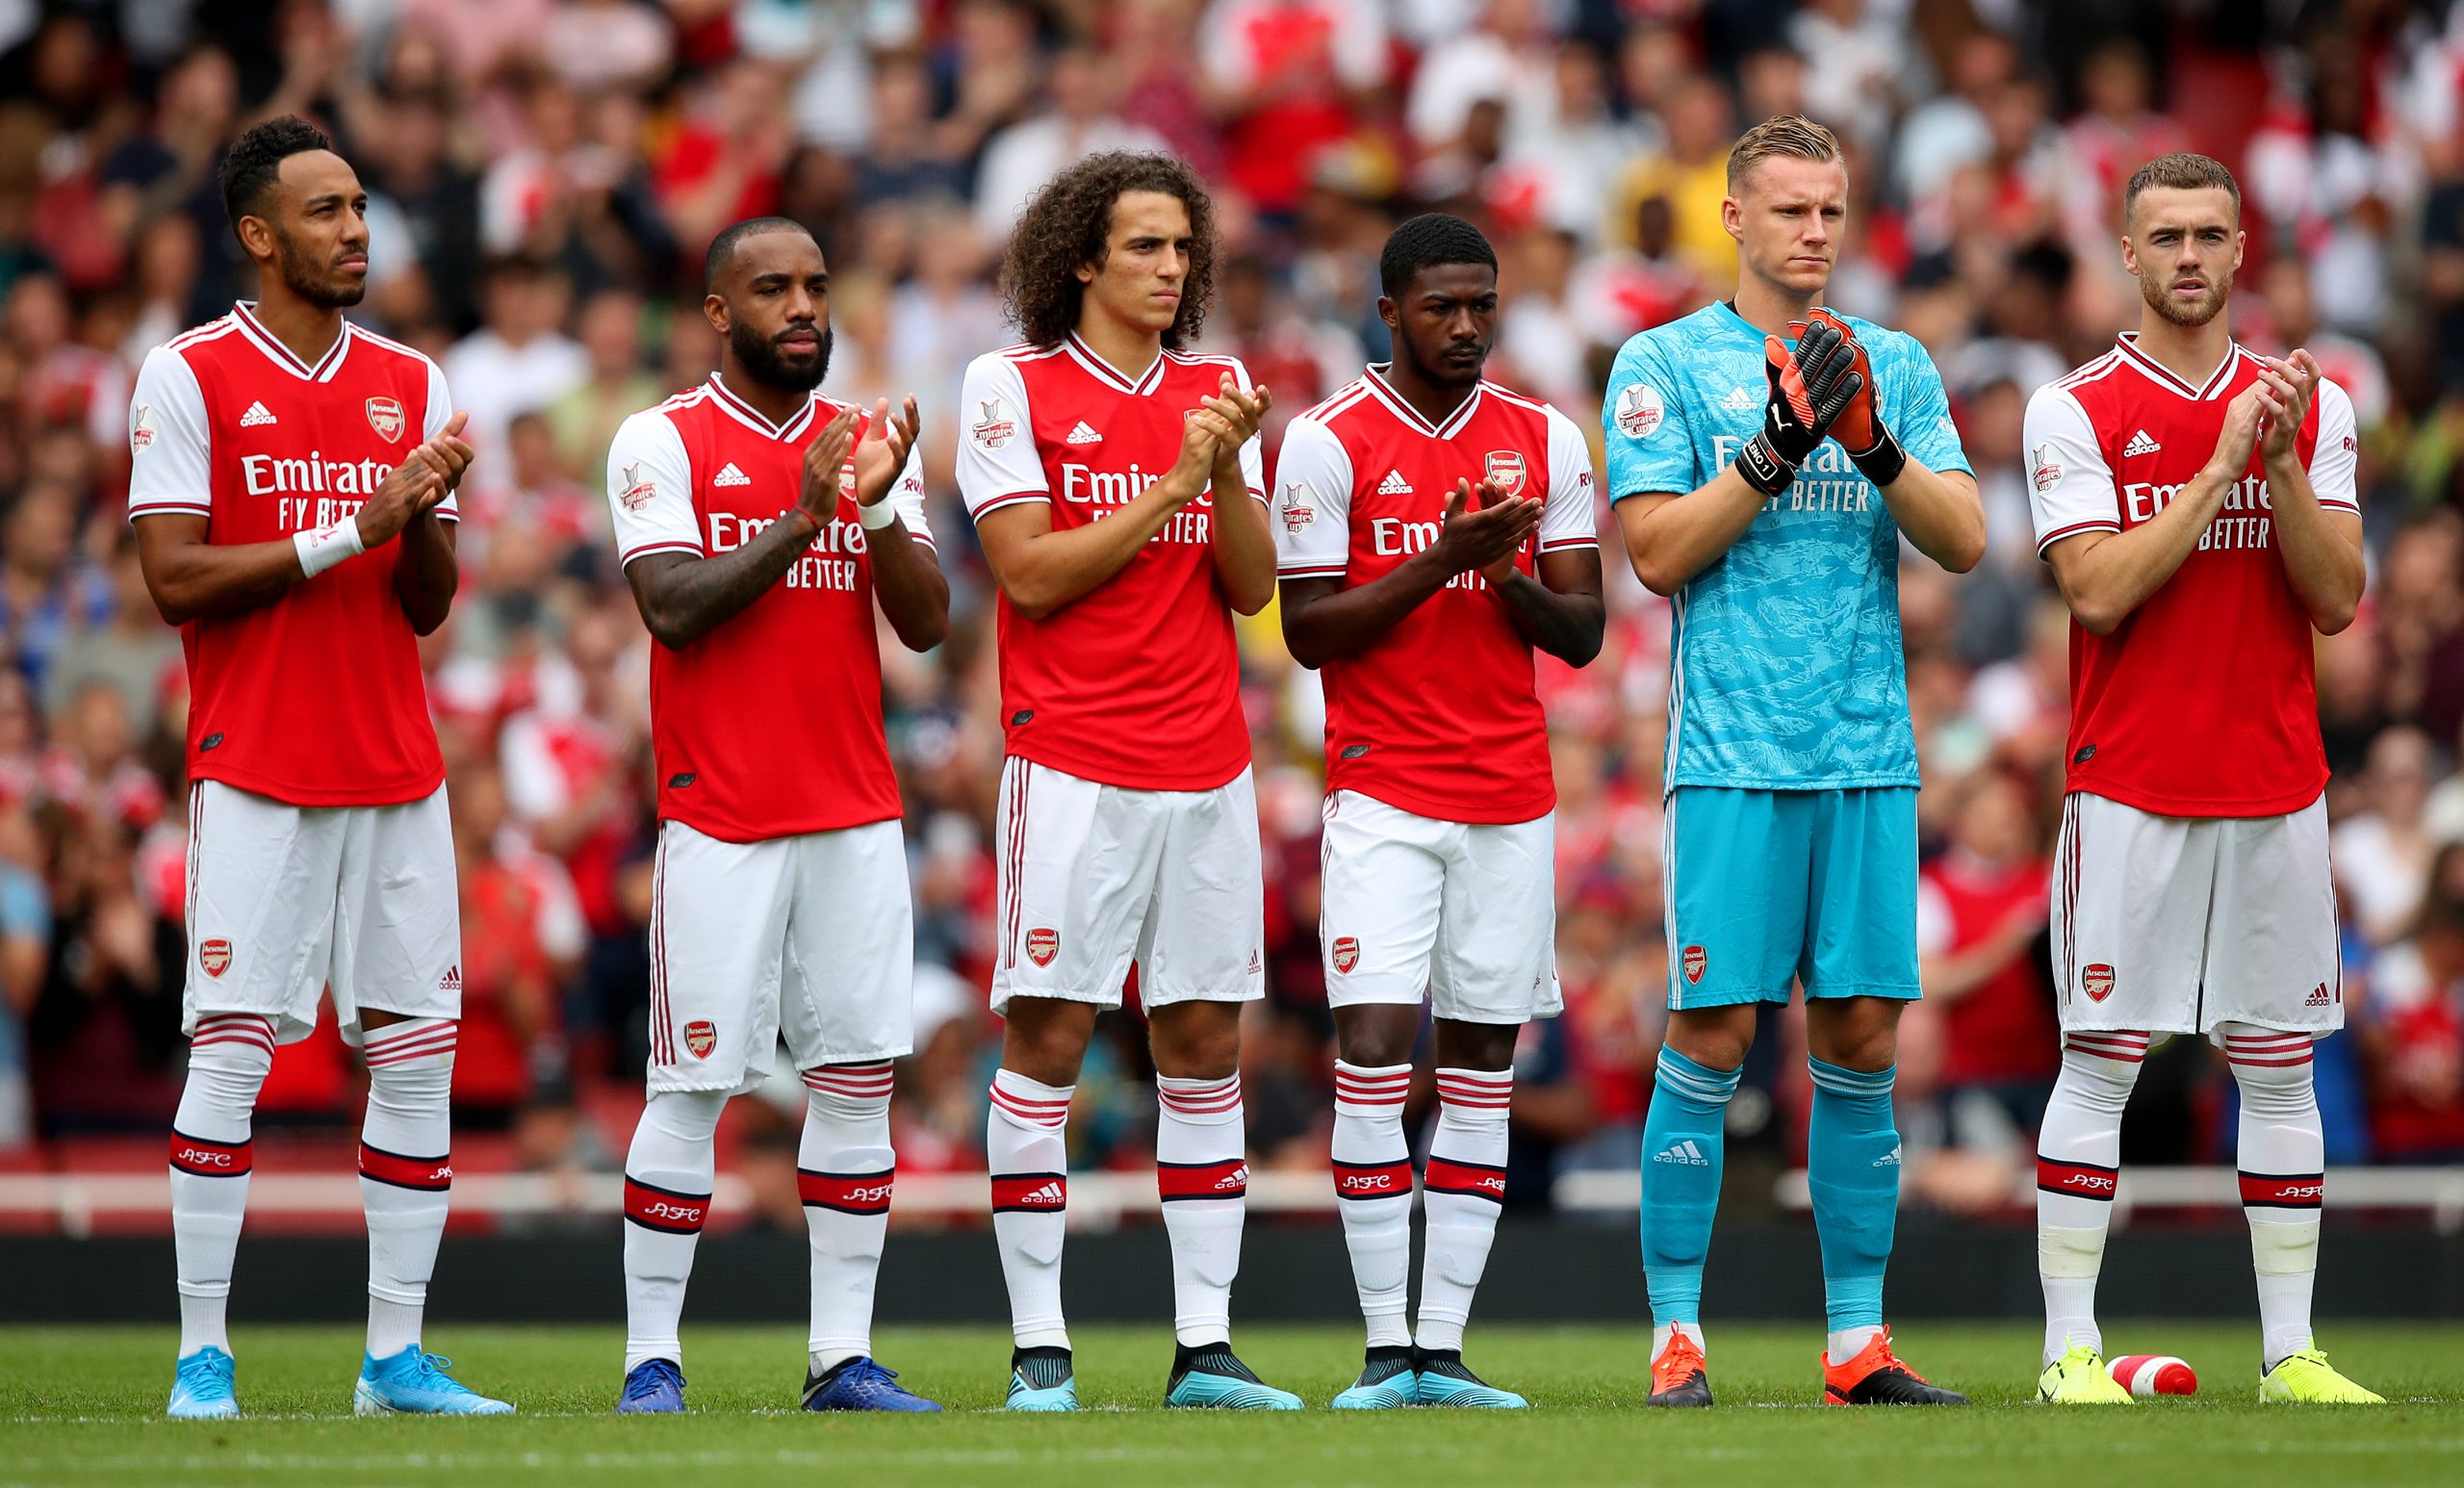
<point>544,175</point>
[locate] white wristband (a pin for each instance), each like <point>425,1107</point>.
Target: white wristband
<point>324,547</point>
<point>877,516</point>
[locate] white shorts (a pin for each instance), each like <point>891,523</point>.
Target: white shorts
<point>287,901</point>
<point>2175,924</point>
<point>812,937</point>
<point>1095,878</point>
<point>1465,913</point>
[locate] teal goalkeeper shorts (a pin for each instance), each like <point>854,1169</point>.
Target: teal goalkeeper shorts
<point>1769,888</point>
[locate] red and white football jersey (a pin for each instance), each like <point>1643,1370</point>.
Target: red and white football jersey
<point>1441,716</point>
<point>2204,701</point>
<point>1136,683</point>
<point>317,698</point>
<point>770,724</point>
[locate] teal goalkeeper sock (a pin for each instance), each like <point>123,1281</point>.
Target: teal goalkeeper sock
<point>1682,1152</point>
<point>1852,1170</point>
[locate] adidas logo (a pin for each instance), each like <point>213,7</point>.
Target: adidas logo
<point>2139,443</point>
<point>1738,400</point>
<point>2318,997</point>
<point>451,981</point>
<point>1083,434</point>
<point>1256,965</point>
<point>1393,484</point>
<point>1888,1159</point>
<point>1683,1153</point>
<point>258,415</point>
<point>1051,1193</point>
<point>730,475</point>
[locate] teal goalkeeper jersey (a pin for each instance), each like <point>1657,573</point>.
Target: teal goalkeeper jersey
<point>1785,670</point>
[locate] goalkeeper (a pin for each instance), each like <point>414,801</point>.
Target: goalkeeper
<point>1763,485</point>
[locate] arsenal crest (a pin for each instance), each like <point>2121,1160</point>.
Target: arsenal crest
<point>385,416</point>
<point>1346,953</point>
<point>1694,960</point>
<point>1043,943</point>
<point>2096,980</point>
<point>214,955</point>
<point>1506,471</point>
<point>701,1037</point>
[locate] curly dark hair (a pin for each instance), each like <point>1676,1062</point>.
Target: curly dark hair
<point>1067,225</point>
<point>249,169</point>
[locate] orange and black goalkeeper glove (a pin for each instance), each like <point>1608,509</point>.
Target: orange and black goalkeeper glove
<point>1859,427</point>
<point>1810,387</point>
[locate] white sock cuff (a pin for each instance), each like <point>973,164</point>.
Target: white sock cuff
<point>1371,1091</point>
<point>412,1040</point>
<point>849,1093</point>
<point>1475,1095</point>
<point>1198,1102</point>
<point>1030,1105</point>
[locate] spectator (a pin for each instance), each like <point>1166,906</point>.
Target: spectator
<point>1020,159</point>
<point>520,359</point>
<point>1981,909</point>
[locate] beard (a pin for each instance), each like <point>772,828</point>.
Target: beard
<point>760,357</point>
<point>2207,308</point>
<point>312,281</point>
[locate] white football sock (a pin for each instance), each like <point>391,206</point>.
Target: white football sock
<point>844,1170</point>
<point>212,1152</point>
<point>1461,1193</point>
<point>1202,1175</point>
<point>669,1172</point>
<point>1374,1188</point>
<point>2282,1155</point>
<point>405,1172</point>
<point>1026,1145</point>
<point>2078,1166</point>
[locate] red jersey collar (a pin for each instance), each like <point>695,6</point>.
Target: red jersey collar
<point>2127,342</point>
<point>1374,379</point>
<point>1113,376</point>
<point>754,419</point>
<point>244,315</point>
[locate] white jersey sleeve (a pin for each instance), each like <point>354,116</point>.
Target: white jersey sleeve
<point>997,463</point>
<point>439,413</point>
<point>1569,519</point>
<point>2070,488</point>
<point>2333,458</point>
<point>1313,509</point>
<point>650,489</point>
<point>167,440</point>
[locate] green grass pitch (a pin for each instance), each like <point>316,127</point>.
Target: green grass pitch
<point>83,1406</point>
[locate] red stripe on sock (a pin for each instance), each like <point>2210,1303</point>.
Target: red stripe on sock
<point>2083,1180</point>
<point>2120,1052</point>
<point>2285,1190</point>
<point>212,1159</point>
<point>408,1049</point>
<point>846,1192</point>
<point>1048,1113</point>
<point>1372,1180</point>
<point>1030,1192</point>
<point>433,1174</point>
<point>664,1209</point>
<point>1211,1101</point>
<point>1226,1179</point>
<point>1470,1179</point>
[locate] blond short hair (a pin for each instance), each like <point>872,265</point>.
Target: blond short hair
<point>2179,172</point>
<point>1790,134</point>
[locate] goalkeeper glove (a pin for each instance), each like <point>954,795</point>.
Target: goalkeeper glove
<point>1859,428</point>
<point>1809,386</point>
